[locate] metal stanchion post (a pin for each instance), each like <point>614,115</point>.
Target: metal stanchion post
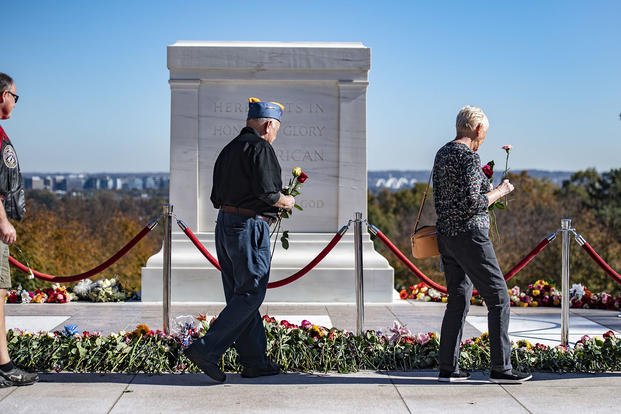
<point>359,274</point>
<point>166,269</point>
<point>565,228</point>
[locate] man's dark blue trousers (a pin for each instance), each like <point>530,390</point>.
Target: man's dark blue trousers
<point>243,248</point>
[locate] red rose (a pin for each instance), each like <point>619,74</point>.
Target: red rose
<point>488,170</point>
<point>302,177</point>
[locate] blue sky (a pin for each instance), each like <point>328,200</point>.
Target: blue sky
<point>94,88</point>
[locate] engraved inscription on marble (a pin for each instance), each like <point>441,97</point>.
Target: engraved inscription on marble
<point>308,138</point>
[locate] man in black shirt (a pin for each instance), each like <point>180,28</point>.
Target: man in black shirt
<point>247,187</point>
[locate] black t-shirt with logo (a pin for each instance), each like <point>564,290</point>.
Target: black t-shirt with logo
<point>11,188</point>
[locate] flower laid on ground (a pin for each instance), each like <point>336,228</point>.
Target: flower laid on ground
<point>70,330</point>
<point>187,328</point>
<point>539,293</point>
<point>54,294</point>
<point>422,292</point>
<point>398,331</point>
<point>298,177</point>
<point>581,297</point>
<point>305,348</point>
<point>141,329</point>
<point>103,290</point>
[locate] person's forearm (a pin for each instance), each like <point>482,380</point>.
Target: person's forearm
<point>3,216</point>
<point>494,196</point>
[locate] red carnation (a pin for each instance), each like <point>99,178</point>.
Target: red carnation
<point>302,177</point>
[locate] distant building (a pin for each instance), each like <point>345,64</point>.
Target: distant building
<point>85,182</point>
<point>35,182</point>
<point>75,182</point>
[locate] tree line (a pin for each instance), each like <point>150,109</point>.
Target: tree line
<point>65,235</point>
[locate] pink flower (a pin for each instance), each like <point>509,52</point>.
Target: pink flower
<point>507,147</point>
<point>422,338</point>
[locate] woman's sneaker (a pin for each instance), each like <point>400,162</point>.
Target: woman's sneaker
<point>448,376</point>
<point>512,377</point>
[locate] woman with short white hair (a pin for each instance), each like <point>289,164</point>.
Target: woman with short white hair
<point>462,195</point>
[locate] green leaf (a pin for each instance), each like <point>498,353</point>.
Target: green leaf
<point>285,214</point>
<point>298,207</point>
<point>284,239</point>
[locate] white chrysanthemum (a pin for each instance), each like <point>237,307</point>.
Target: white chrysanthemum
<point>25,296</point>
<point>83,288</point>
<point>576,291</point>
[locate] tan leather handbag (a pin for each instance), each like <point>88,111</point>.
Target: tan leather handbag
<point>425,239</point>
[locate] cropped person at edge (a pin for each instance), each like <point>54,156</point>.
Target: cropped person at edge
<point>462,195</point>
<point>10,185</point>
<point>247,186</point>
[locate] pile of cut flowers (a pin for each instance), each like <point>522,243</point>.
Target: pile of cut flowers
<point>539,293</point>
<point>305,347</point>
<point>53,294</point>
<point>103,290</point>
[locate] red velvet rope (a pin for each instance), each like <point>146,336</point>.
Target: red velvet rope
<point>337,238</point>
<point>92,272</point>
<point>510,274</point>
<point>527,259</point>
<point>407,262</point>
<point>200,246</point>
<point>602,263</point>
<point>323,253</point>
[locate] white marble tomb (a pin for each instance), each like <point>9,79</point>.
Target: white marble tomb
<point>323,87</point>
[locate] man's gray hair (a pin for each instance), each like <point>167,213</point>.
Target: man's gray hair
<point>468,118</point>
<point>5,82</point>
<point>260,120</point>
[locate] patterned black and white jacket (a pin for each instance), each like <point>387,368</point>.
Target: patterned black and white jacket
<point>459,188</point>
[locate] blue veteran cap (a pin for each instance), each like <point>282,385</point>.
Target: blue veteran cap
<point>258,109</point>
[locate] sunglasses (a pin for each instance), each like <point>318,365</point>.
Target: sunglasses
<point>16,97</point>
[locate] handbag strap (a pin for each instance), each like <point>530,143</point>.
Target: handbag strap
<point>422,204</point>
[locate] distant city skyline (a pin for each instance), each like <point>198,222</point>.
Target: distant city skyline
<point>78,182</point>
<point>94,93</point>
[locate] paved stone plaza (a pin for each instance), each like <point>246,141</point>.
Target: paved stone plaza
<point>361,392</point>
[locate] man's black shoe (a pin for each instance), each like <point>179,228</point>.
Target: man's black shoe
<point>448,376</point>
<point>261,371</point>
<point>512,377</point>
<point>18,377</point>
<point>208,367</point>
<point>4,383</point>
